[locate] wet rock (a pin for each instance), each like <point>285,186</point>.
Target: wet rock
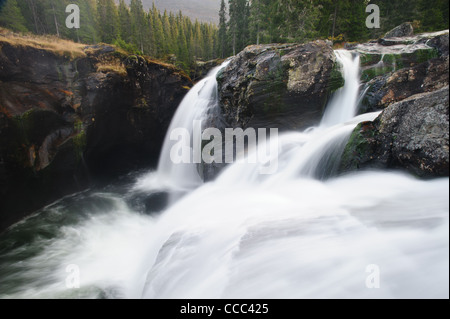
<point>412,134</point>
<point>404,30</point>
<point>440,43</point>
<point>283,86</point>
<point>202,68</point>
<point>390,55</point>
<point>396,86</point>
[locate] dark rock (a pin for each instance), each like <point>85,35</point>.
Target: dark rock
<point>391,62</point>
<point>283,86</point>
<point>66,123</point>
<point>412,134</point>
<point>440,43</point>
<point>202,69</point>
<point>394,87</point>
<point>404,30</point>
<point>387,42</point>
<point>350,46</point>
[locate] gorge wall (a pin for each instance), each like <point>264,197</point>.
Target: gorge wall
<point>74,116</point>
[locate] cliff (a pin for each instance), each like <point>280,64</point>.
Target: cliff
<point>72,115</point>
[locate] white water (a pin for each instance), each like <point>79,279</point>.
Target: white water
<point>246,235</point>
<point>343,106</point>
<point>194,107</point>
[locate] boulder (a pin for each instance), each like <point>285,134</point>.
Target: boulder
<point>440,42</point>
<point>412,134</point>
<point>404,30</point>
<point>282,86</point>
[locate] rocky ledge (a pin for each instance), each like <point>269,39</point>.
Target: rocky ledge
<point>72,114</point>
<point>412,133</point>
<point>283,86</point>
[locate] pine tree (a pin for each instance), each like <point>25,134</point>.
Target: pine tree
<point>168,43</point>
<point>137,23</point>
<point>124,22</point>
<point>232,24</point>
<point>238,24</point>
<point>11,16</point>
<point>159,33</point>
<point>222,30</point>
<point>434,14</point>
<point>107,20</point>
<point>183,51</point>
<point>256,21</point>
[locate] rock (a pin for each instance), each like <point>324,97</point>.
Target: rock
<point>67,122</point>
<point>387,42</point>
<point>404,30</point>
<point>412,134</point>
<point>202,68</point>
<point>440,42</point>
<point>283,86</point>
<point>390,55</point>
<point>388,62</point>
<point>394,87</point>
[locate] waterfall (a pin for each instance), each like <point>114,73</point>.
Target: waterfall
<point>316,152</point>
<point>295,234</point>
<point>343,106</point>
<point>194,107</point>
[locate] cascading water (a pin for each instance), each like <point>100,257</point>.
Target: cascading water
<point>194,107</point>
<point>245,235</point>
<point>343,106</point>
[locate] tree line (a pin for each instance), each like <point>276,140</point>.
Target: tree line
<point>244,22</point>
<point>162,35</point>
<point>177,38</point>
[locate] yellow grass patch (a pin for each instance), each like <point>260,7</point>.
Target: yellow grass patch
<point>49,43</point>
<point>111,66</point>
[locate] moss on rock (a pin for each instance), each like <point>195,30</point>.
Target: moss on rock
<point>336,79</point>
<point>358,148</point>
<point>79,144</point>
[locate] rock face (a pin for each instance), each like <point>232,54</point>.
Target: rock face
<point>385,56</point>
<point>202,68</point>
<point>412,134</point>
<point>410,83</point>
<point>68,121</point>
<point>283,86</point>
<point>394,87</point>
<point>419,65</point>
<point>404,30</point>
